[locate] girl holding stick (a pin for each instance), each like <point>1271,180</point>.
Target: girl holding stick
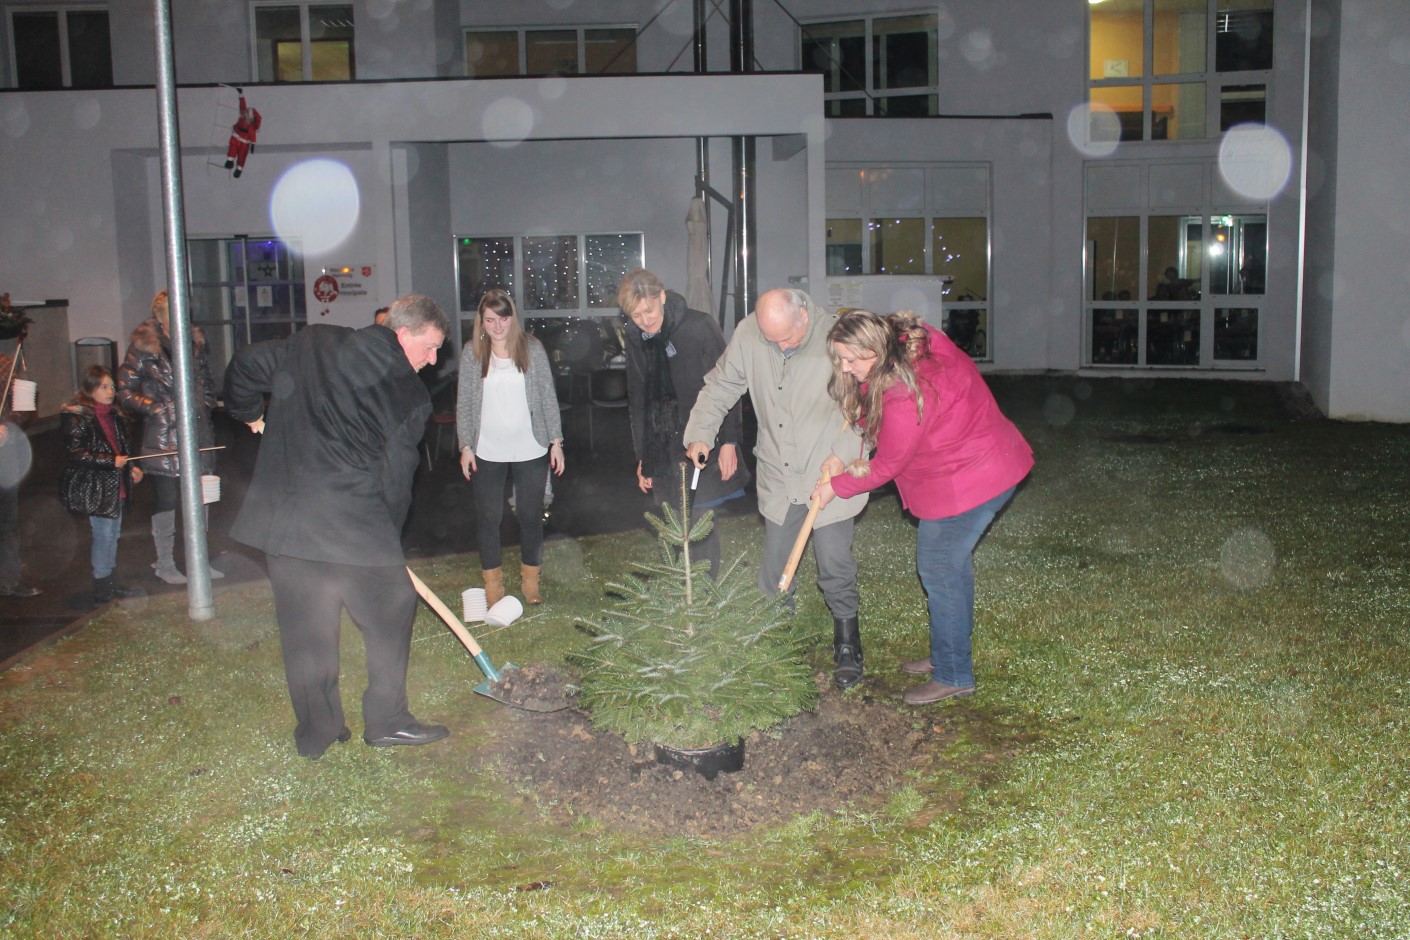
<point>97,479</point>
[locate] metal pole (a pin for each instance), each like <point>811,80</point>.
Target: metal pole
<point>178,287</point>
<point>702,64</point>
<point>702,144</point>
<point>746,285</point>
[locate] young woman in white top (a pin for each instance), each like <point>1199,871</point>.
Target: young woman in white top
<point>508,424</point>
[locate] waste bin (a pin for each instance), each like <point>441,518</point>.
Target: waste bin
<point>93,350</point>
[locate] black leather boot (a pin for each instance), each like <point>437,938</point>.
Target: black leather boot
<point>108,589</point>
<point>846,652</point>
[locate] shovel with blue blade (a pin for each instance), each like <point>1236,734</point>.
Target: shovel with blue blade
<point>492,675</point>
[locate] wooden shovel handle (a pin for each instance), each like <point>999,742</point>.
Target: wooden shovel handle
<point>801,542</point>
<point>444,612</point>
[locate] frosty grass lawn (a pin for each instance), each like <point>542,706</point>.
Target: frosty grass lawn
<point>1191,722</point>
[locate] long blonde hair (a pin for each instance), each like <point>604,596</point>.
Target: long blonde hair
<point>897,340</point>
<point>501,304</point>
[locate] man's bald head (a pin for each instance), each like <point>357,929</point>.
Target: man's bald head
<point>782,315</point>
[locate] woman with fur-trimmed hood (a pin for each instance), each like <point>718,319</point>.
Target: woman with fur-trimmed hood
<point>146,384</point>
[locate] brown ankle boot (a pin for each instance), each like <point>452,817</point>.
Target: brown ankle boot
<point>494,585</point>
<point>529,581</point>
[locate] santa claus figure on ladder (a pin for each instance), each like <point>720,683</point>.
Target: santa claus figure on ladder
<point>242,137</point>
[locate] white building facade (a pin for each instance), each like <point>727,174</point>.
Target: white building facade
<point>1164,188</point>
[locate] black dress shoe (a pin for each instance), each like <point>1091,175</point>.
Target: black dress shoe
<point>414,733</point>
<point>344,735</point>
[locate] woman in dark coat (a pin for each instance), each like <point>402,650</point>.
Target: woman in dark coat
<point>146,384</point>
<point>670,349</point>
<point>95,481</point>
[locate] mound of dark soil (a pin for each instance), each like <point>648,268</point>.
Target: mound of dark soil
<point>536,687</point>
<point>849,752</point>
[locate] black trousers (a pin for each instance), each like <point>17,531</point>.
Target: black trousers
<point>530,476</point>
<point>309,597</point>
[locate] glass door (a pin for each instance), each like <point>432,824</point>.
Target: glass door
<point>244,290</point>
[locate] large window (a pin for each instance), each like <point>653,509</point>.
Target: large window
<point>564,50</point>
<point>304,42</point>
<point>881,65</point>
<point>65,47</point>
<point>929,221</point>
<point>1153,64</point>
<point>1171,287</point>
<point>549,275</point>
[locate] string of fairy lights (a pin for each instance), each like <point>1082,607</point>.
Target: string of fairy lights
<point>548,272</point>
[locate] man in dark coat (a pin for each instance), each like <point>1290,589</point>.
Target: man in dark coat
<point>669,350</point>
<point>326,503</point>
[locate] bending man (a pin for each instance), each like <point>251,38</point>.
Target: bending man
<point>779,355</point>
<point>330,492</point>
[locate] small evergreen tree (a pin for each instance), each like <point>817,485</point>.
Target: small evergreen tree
<point>686,661</point>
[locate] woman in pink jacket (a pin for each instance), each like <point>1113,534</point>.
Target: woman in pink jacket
<point>937,431</point>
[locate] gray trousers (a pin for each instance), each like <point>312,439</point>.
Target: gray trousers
<point>832,549</point>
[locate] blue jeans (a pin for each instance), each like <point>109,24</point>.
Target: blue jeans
<point>106,533</point>
<point>945,560</point>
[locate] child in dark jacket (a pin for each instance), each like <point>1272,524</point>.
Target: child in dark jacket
<point>95,481</point>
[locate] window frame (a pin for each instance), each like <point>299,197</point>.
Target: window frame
<point>584,306</point>
<point>869,94</point>
<point>1215,82</point>
<point>306,41</point>
<point>223,301</point>
<point>522,33</point>
<point>1208,307</point>
<point>60,12</point>
<point>976,326</point>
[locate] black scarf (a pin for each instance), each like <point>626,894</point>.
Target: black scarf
<point>661,450</point>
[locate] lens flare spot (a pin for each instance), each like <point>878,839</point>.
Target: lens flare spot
<point>86,114</point>
<point>552,88</point>
<point>507,122</point>
<point>15,117</point>
<point>15,457</point>
<point>315,205</point>
<point>1094,129</point>
<point>1059,410</point>
<point>1247,559</point>
<point>381,9</point>
<point>977,47</point>
<point>1255,161</point>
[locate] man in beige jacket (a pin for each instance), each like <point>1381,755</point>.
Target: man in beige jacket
<point>780,357</point>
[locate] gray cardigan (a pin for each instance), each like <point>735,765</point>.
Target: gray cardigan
<point>538,385</point>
